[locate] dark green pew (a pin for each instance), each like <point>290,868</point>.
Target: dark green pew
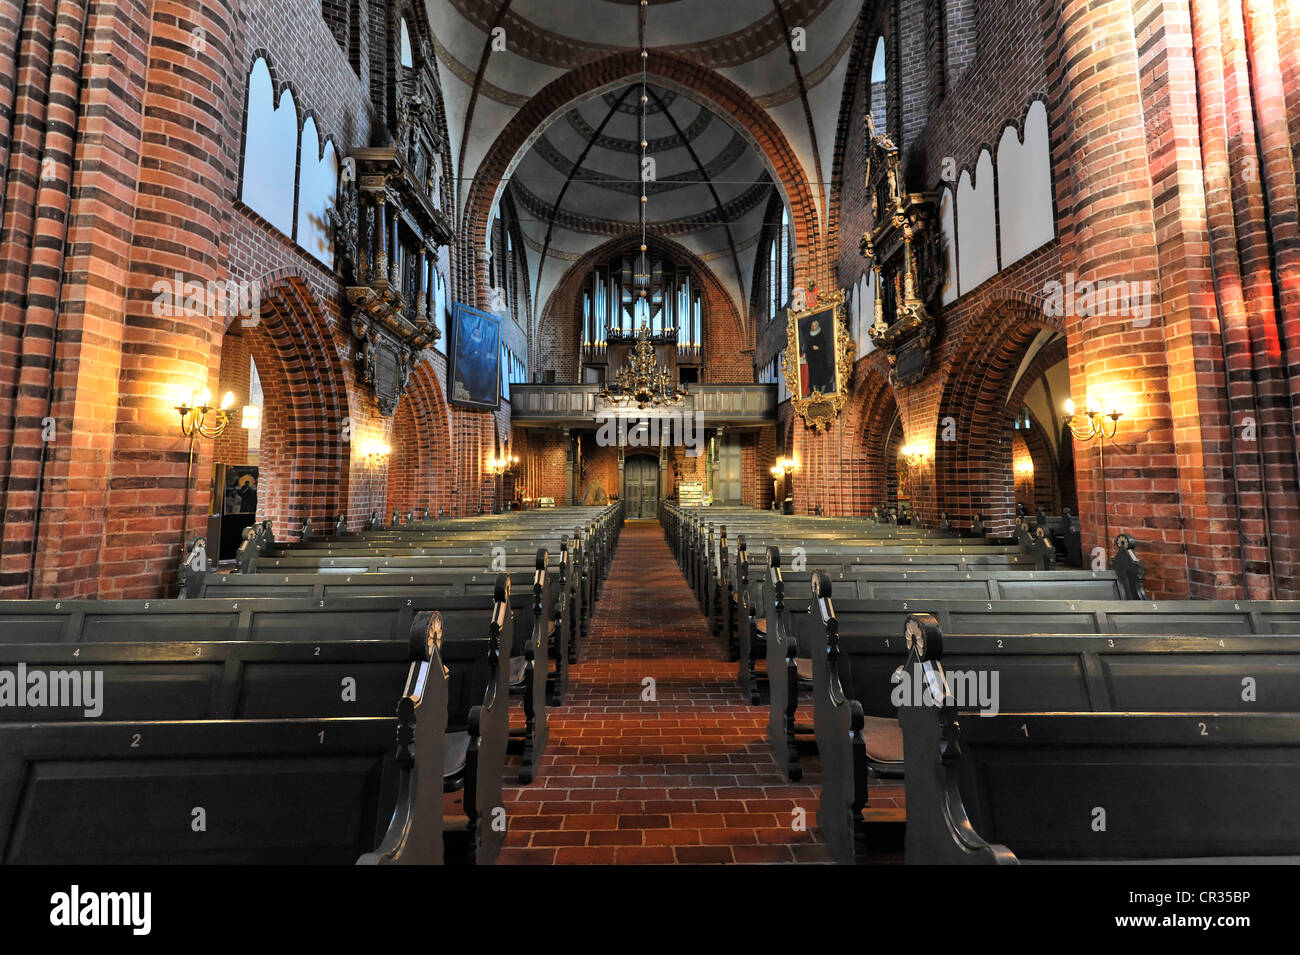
<point>1198,785</point>
<point>155,788</point>
<point>471,634</point>
<point>427,583</point>
<point>857,691</point>
<point>792,631</point>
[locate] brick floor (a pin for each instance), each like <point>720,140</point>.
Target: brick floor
<point>685,777</point>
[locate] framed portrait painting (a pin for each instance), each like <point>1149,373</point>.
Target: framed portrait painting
<point>475,372</point>
<point>818,358</point>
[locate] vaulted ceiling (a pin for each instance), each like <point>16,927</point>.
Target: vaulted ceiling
<point>577,183</point>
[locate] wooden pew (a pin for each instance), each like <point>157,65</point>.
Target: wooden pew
<point>838,561</point>
<point>856,690</point>
<point>571,586</point>
<point>168,790</point>
<point>745,619</point>
<point>597,529</point>
<point>718,575</point>
<point>427,583</point>
<point>1195,785</point>
<point>476,722</point>
<point>687,530</point>
<point>878,583</point>
<point>792,631</point>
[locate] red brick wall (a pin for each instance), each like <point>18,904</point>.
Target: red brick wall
<point>96,503</point>
<point>1122,81</point>
<point>542,470</point>
<point>231,446</point>
<point>1173,147</point>
<point>599,469</point>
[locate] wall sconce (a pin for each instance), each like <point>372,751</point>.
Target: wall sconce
<point>782,470</point>
<point>1093,422</point>
<point>251,418</point>
<point>499,466</point>
<point>1025,469</point>
<point>374,452</point>
<point>913,455</point>
<point>199,420</point>
<point>198,417</point>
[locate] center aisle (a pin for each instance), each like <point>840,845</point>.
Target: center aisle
<point>673,771</point>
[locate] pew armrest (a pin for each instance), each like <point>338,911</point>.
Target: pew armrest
<point>939,829</point>
<point>414,835</point>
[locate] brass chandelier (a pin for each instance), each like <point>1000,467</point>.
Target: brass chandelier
<point>642,381</point>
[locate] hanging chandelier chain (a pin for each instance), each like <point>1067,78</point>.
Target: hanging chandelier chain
<point>645,98</point>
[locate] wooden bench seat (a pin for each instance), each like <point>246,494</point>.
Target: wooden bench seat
<point>868,583</point>
<point>855,680</point>
<point>871,584</point>
<point>561,626</point>
<point>568,576</point>
<point>792,630</point>
<point>1195,787</point>
<point>727,575</point>
<point>265,790</point>
<point>471,642</point>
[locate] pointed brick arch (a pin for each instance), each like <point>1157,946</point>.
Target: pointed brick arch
<point>305,417</point>
<point>559,328</point>
<point>866,462</point>
<point>420,470</point>
<point>673,72</point>
<point>973,473</point>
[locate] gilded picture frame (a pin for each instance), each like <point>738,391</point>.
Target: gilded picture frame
<point>817,372</point>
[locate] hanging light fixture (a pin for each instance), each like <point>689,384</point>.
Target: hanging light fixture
<point>643,381</point>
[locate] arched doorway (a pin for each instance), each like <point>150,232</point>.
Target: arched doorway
<point>874,431</point>
<point>641,487</point>
<point>1007,378</point>
<point>281,365</point>
<point>419,472</point>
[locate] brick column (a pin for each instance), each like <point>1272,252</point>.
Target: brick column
<point>184,200</point>
<point>1107,233</point>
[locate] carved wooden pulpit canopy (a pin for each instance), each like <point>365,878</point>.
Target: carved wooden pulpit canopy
<point>904,247</point>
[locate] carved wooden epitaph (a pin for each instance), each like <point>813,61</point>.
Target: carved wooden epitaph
<point>389,223</point>
<point>904,247</point>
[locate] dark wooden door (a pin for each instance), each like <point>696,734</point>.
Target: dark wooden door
<point>729,472</point>
<point>641,488</point>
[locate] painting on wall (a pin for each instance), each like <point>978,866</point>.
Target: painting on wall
<point>475,374</point>
<point>818,357</point>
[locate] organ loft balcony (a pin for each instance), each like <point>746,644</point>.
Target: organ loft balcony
<point>579,405</point>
